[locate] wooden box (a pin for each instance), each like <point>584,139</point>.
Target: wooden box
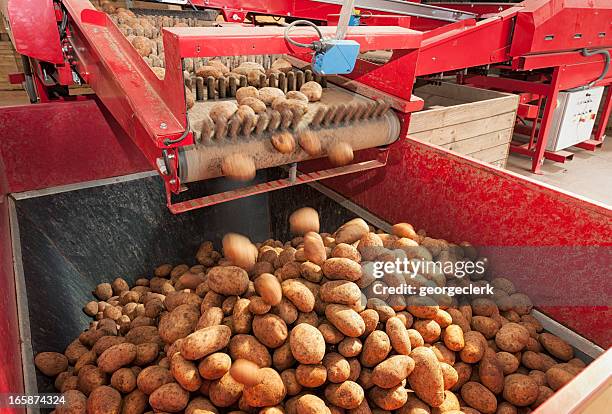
<point>470,121</point>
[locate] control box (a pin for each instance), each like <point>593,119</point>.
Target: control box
<point>574,118</point>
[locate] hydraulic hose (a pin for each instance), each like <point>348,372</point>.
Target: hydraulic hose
<point>604,73</point>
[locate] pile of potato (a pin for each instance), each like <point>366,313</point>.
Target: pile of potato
<point>277,327</point>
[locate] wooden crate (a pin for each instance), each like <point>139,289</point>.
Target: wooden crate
<point>10,61</point>
<point>470,121</point>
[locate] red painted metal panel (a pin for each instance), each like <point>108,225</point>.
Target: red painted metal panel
<point>460,46</point>
<point>11,376</point>
<point>33,29</point>
<point>61,143</point>
<point>556,25</point>
<point>460,199</point>
<point>238,40</point>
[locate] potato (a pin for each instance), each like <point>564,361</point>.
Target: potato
<point>225,391</point>
<point>116,357</point>
<point>74,351</point>
<point>286,310</point>
<point>255,104</point>
<point>506,408</point>
<point>184,297</point>
<point>340,291</point>
<point>169,398</point>
<point>338,268</point>
<point>51,363</point>
<point>314,249</point>
<point>307,344</point>
<point>89,378</point>
<point>459,319</point>
<point>143,46</point>
<point>346,395</point>
<point>297,292</point>
<point>491,373</point>
<point>340,153</point>
<point>249,347</point>
<point>509,363</point>
<point>398,335</point>
<point>246,92</point>
<point>270,330</point>
<point>242,318</point>
<point>453,338</point>
<point>200,405</point>
<point>376,347</point>
<point>544,393</point>
<point>214,366</point>
<point>268,94</point>
<point>485,325</point>
<point>282,65</point>
<point>426,378</point>
<point>450,375</point>
<point>392,371</point>
<point>104,400</point>
<point>239,167</point>
<point>268,287</point>
<point>245,372</point>
<point>479,397</point>
<point>556,346</point>
<point>269,391</point>
<point>179,323</point>
<point>312,90</point>
<point>512,337</point>
<point>153,377</point>
<point>75,402</point>
<point>557,377</point>
<point>338,367</point>
<point>429,330</point>
<point>390,398</point>
<point>241,252</point>
<point>258,306</point>
<point>475,345</point>
<point>304,220</point>
<point>310,404</point>
<point>345,319</point>
<point>124,380</point>
<point>185,373</point>
<point>283,142</point>
<point>404,230</point>
<point>520,390</point>
<point>207,71</point>
<point>205,341</point>
<point>311,376</point>
<point>228,280</point>
<point>414,406</point>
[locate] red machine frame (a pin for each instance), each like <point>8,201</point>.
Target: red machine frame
<point>537,47</point>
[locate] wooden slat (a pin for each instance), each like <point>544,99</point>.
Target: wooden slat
<point>460,92</point>
<point>481,142</point>
<point>491,154</point>
<point>445,135</point>
<point>443,117</point>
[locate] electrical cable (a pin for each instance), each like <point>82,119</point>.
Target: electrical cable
<point>169,141</point>
<point>290,26</point>
<point>604,73</point>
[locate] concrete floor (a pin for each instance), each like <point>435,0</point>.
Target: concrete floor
<point>589,174</point>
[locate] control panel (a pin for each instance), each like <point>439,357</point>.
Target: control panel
<point>574,118</point>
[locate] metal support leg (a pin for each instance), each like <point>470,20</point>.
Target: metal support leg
<point>605,115</point>
<point>549,108</point>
